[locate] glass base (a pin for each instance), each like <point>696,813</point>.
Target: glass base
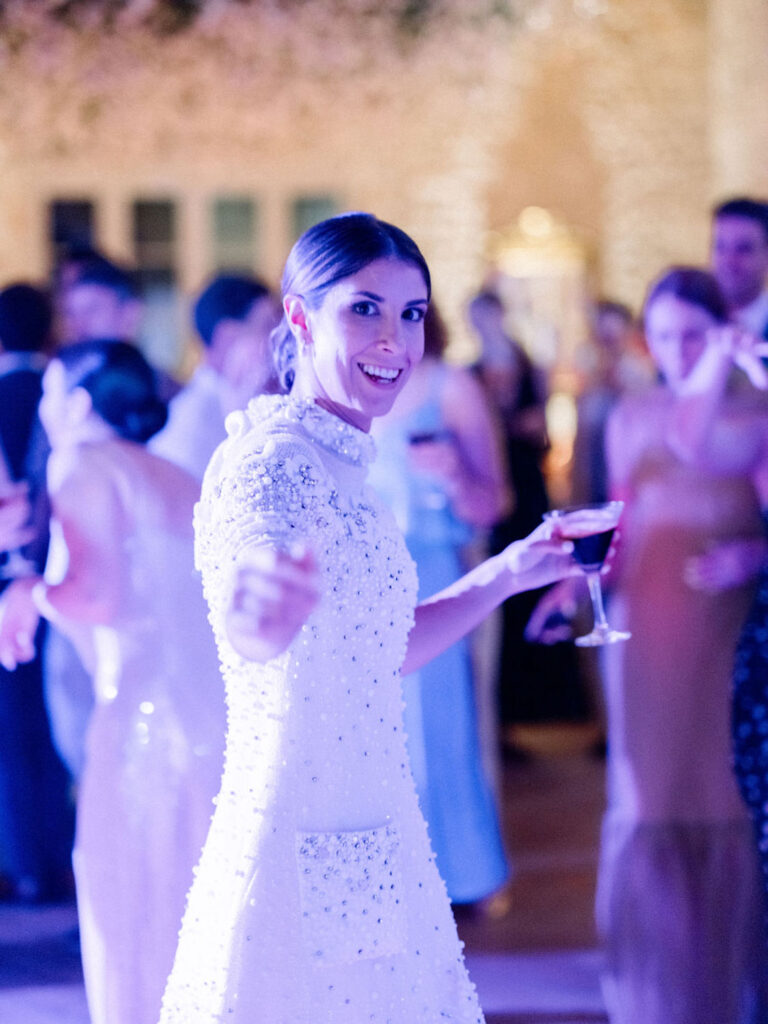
<point>598,637</point>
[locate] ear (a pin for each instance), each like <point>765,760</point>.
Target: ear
<point>296,314</point>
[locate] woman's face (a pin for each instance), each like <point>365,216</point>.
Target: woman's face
<point>677,336</point>
<point>360,346</point>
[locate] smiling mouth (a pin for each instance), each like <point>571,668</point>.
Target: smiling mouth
<point>380,374</point>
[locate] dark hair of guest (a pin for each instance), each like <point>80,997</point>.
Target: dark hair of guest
<point>692,285</point>
<point>226,297</point>
<point>121,384</point>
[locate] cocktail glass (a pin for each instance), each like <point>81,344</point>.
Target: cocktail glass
<point>591,529</point>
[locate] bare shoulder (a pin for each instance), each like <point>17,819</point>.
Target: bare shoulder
<point>639,412</point>
<point>637,422</point>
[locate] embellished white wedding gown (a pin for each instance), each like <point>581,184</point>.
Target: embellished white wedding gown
<point>317,900</point>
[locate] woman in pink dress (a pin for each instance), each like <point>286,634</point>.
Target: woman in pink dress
<point>121,583</point>
<point>678,902</point>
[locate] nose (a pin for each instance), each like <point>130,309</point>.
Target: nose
<point>392,336</point>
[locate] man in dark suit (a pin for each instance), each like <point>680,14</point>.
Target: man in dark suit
<point>739,260</point>
<point>36,812</point>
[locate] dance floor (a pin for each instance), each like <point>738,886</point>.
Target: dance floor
<point>532,953</point>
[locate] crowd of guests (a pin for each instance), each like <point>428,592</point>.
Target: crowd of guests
<point>110,692</point>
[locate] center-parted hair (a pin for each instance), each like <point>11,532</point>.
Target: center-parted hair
<point>121,384</point>
<point>328,253</point>
<point>692,285</point>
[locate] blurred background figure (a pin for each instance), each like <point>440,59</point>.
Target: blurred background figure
<point>440,469</point>
<point>133,605</point>
<point>534,682</point>
<point>678,901</point>
<point>36,811</point>
<point>96,300</point>
<point>739,260</point>
<point>617,367</point>
<point>234,317</point>
<point>100,301</point>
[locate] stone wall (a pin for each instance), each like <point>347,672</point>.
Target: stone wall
<point>612,114</point>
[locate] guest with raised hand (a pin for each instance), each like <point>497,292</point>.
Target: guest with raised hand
<point>317,897</point>
<point>36,808</point>
<point>132,604</point>
<point>710,432</point>
<point>678,890</point>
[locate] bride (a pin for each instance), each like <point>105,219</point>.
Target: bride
<point>317,898</point>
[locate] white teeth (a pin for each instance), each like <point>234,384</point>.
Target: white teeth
<point>381,372</point>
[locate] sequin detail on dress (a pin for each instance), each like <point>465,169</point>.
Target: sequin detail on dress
<point>315,745</point>
<point>351,894</point>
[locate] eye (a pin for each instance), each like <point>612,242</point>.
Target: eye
<point>365,308</point>
<point>414,314</point>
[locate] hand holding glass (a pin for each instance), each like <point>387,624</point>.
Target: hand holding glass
<point>591,528</point>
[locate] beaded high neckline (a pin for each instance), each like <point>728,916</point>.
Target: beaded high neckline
<point>330,432</point>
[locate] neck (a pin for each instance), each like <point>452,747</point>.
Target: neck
<point>307,388</point>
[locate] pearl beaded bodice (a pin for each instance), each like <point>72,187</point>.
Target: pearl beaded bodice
<point>289,473</point>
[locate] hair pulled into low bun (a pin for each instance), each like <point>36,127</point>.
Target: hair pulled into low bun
<point>121,384</point>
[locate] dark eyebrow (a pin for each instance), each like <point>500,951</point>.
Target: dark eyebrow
<point>379,298</point>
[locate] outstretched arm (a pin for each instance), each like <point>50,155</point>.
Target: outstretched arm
<point>440,621</point>
<point>273,593</point>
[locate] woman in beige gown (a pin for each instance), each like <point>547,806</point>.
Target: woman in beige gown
<point>678,902</point>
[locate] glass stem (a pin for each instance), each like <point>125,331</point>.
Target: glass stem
<point>596,593</point>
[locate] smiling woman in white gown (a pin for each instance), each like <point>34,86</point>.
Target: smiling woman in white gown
<point>317,900</point>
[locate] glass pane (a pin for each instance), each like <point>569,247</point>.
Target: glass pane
<point>310,210</point>
<point>235,227</point>
<point>154,238</point>
<point>154,232</point>
<point>71,226</point>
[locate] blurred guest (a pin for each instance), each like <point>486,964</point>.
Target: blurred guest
<point>440,469</point>
<point>35,807</point>
<point>133,605</point>
<point>738,445</point>
<point>97,300</point>
<point>678,895</point>
<point>234,317</point>
<point>739,260</point>
<point>100,300</point>
<point>617,368</point>
<point>534,682</point>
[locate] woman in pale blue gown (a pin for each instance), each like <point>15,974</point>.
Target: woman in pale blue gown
<point>440,470</point>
